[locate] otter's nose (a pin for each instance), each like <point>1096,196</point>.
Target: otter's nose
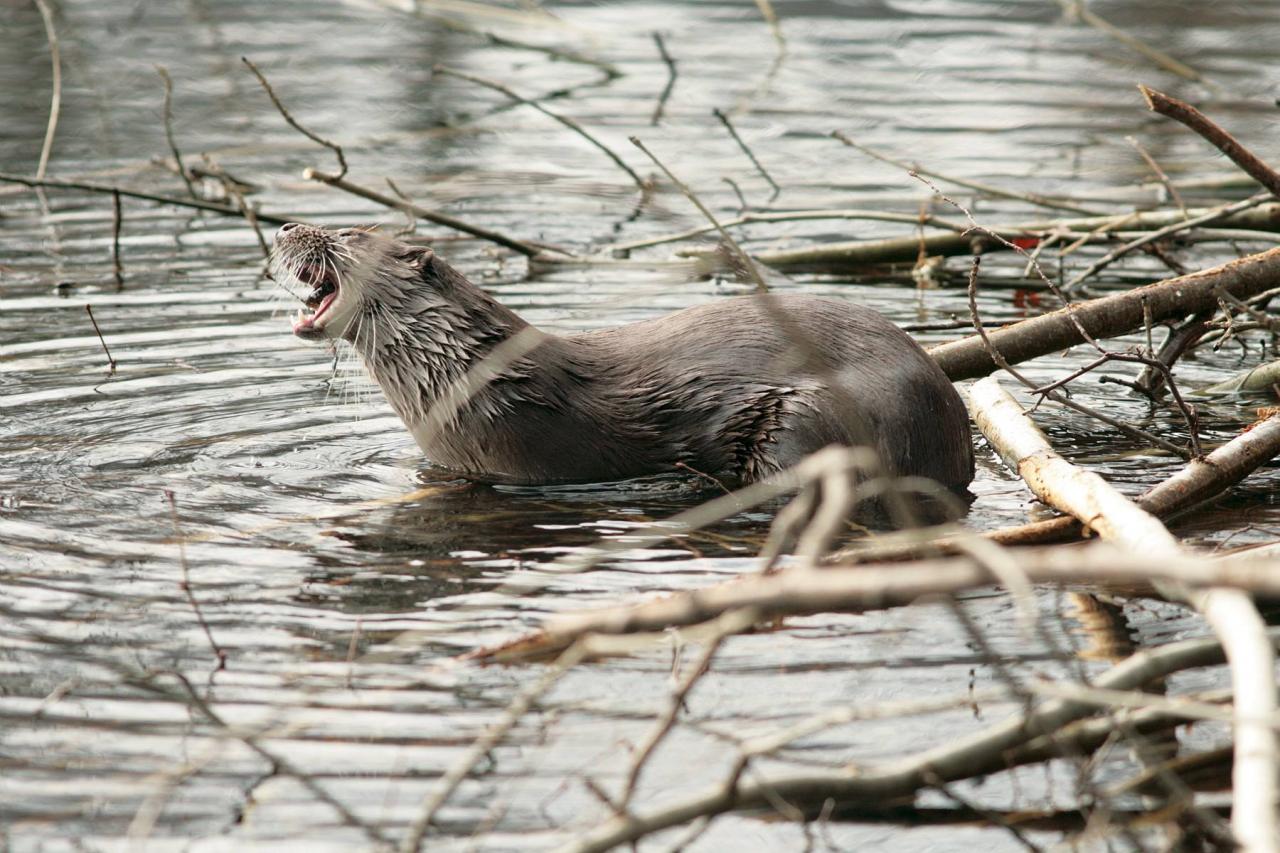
<point>288,226</point>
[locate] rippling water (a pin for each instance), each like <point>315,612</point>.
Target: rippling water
<point>337,570</point>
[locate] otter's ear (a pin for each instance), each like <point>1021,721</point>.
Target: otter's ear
<point>418,257</point>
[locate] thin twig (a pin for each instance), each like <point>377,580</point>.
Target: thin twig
<point>168,130</point>
<point>1188,411</point>
<point>1213,215</point>
<point>1159,172</point>
<point>117,220</point>
<point>1264,320</point>
<point>461,768</point>
<point>610,70</point>
<point>332,146</point>
<point>280,761</point>
<point>111,362</point>
<point>737,191</point>
<point>672,74</point>
<point>1159,57</point>
<point>1032,198</point>
<point>232,188</point>
<point>999,360</point>
<point>703,475</point>
<point>732,622</point>
<point>516,18</point>
<point>108,189</point>
<point>524,248</point>
<point>564,120</point>
<point>724,119</point>
<point>749,266</point>
<point>775,26</point>
<point>411,221</point>
<point>1033,262</point>
<point>219,653</point>
<point>55,99</point>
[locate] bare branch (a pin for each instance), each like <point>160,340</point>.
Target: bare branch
<point>108,189</point>
<point>525,248</point>
<point>168,131</point>
<point>271,93</point>
<point>55,98</point>
<point>724,119</point>
<point>1181,111</point>
<point>749,266</point>
<point>564,120</point>
<point>672,74</point>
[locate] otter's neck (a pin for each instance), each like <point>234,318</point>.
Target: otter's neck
<point>419,337</point>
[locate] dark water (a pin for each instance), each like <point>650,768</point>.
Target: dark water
<point>338,571</point>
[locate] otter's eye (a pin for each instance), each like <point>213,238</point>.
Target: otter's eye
<point>346,232</point>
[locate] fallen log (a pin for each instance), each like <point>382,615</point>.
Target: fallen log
<point>1263,378</point>
<point>1109,316</point>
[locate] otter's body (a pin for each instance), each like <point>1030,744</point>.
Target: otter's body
<point>721,387</point>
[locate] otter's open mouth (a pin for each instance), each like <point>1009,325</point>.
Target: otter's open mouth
<point>319,300</point>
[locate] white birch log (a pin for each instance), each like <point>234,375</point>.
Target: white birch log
<point>1229,612</point>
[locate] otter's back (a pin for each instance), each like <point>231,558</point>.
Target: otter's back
<point>791,374</point>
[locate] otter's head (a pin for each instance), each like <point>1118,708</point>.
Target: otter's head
<point>343,272</point>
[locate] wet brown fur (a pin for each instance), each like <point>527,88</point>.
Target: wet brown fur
<point>719,387</point>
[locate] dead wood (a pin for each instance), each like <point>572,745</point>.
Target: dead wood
<point>1109,316</point>
<point>439,217</point>
<point>856,254</point>
<point>988,751</point>
<point>1228,610</point>
<point>1252,165</point>
<point>108,189</point>
<point>849,589</point>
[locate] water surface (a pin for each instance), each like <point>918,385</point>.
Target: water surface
<point>340,573</point>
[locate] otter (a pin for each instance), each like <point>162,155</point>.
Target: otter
<point>736,389</point>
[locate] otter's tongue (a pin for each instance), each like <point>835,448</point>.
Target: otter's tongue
<point>320,298</point>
